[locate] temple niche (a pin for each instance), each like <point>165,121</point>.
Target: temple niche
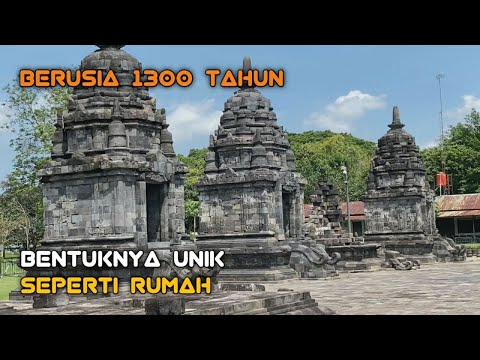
<point>399,202</point>
<point>113,181</point>
<point>251,196</point>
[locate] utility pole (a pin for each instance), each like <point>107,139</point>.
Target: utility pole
<point>442,149</point>
<point>345,173</point>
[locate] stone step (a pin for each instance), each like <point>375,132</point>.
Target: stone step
<point>258,303</point>
<point>6,309</point>
<point>293,306</point>
<point>286,298</point>
<point>315,310</point>
<point>233,306</point>
<point>281,309</point>
<point>306,309</point>
<point>261,311</point>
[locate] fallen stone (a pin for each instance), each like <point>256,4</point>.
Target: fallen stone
<point>50,300</point>
<point>164,306</point>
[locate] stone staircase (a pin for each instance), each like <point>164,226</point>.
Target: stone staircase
<point>282,302</point>
<point>260,303</point>
<point>6,309</point>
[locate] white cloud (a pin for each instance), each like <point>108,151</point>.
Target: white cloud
<point>340,115</point>
<point>192,120</point>
<point>458,114</point>
<point>429,144</point>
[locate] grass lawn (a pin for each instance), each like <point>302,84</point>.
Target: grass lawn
<point>472,246</point>
<point>7,284</point>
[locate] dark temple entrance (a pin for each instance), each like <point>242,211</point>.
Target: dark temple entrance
<point>155,199</point>
<point>286,207</point>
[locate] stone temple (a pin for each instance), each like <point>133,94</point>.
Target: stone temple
<point>399,206</point>
<point>113,181</point>
<point>251,194</point>
<point>324,226</point>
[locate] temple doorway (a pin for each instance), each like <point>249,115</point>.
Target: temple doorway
<point>155,199</point>
<point>287,208</point>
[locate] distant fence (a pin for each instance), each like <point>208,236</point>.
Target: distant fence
<point>467,239</point>
<point>473,252</point>
<point>9,267</point>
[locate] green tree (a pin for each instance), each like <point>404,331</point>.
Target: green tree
<point>15,221</point>
<point>31,117</point>
<point>7,227</point>
<point>195,162</point>
<point>192,211</point>
<point>308,137</point>
<point>466,133</point>
<point>26,205</point>
<point>461,154</point>
<point>32,114</point>
<point>320,154</point>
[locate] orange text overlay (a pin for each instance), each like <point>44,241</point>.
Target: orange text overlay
<point>250,78</point>
<point>110,285</point>
<point>43,78</point>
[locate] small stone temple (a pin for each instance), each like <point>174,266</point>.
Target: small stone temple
<point>113,181</point>
<point>251,196</point>
<point>399,206</point>
<point>324,226</point>
<point>324,219</point>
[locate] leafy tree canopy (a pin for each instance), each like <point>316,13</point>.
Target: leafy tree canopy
<point>461,155</point>
<point>32,114</point>
<point>31,117</point>
<point>195,162</point>
<point>320,155</point>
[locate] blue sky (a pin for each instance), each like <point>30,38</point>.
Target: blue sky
<point>341,88</point>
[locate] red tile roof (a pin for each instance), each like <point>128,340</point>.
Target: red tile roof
<point>357,210</point>
<point>308,210</point>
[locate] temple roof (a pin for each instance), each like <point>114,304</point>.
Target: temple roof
<point>249,136</point>
<point>111,57</point>
<point>396,123</point>
<point>396,134</point>
<point>397,163</point>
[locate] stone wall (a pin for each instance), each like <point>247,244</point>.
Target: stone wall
<point>234,212</point>
<point>92,206</point>
<point>326,214</point>
<point>399,215</point>
<point>93,136</point>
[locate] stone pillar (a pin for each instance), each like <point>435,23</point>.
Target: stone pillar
<point>58,141</point>
<point>141,213</point>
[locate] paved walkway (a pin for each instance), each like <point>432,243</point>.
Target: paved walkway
<point>442,288</point>
<point>452,288</point>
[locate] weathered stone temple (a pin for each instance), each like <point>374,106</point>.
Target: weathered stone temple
<point>251,195</point>
<point>113,181</point>
<point>399,202</point>
<point>323,225</point>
